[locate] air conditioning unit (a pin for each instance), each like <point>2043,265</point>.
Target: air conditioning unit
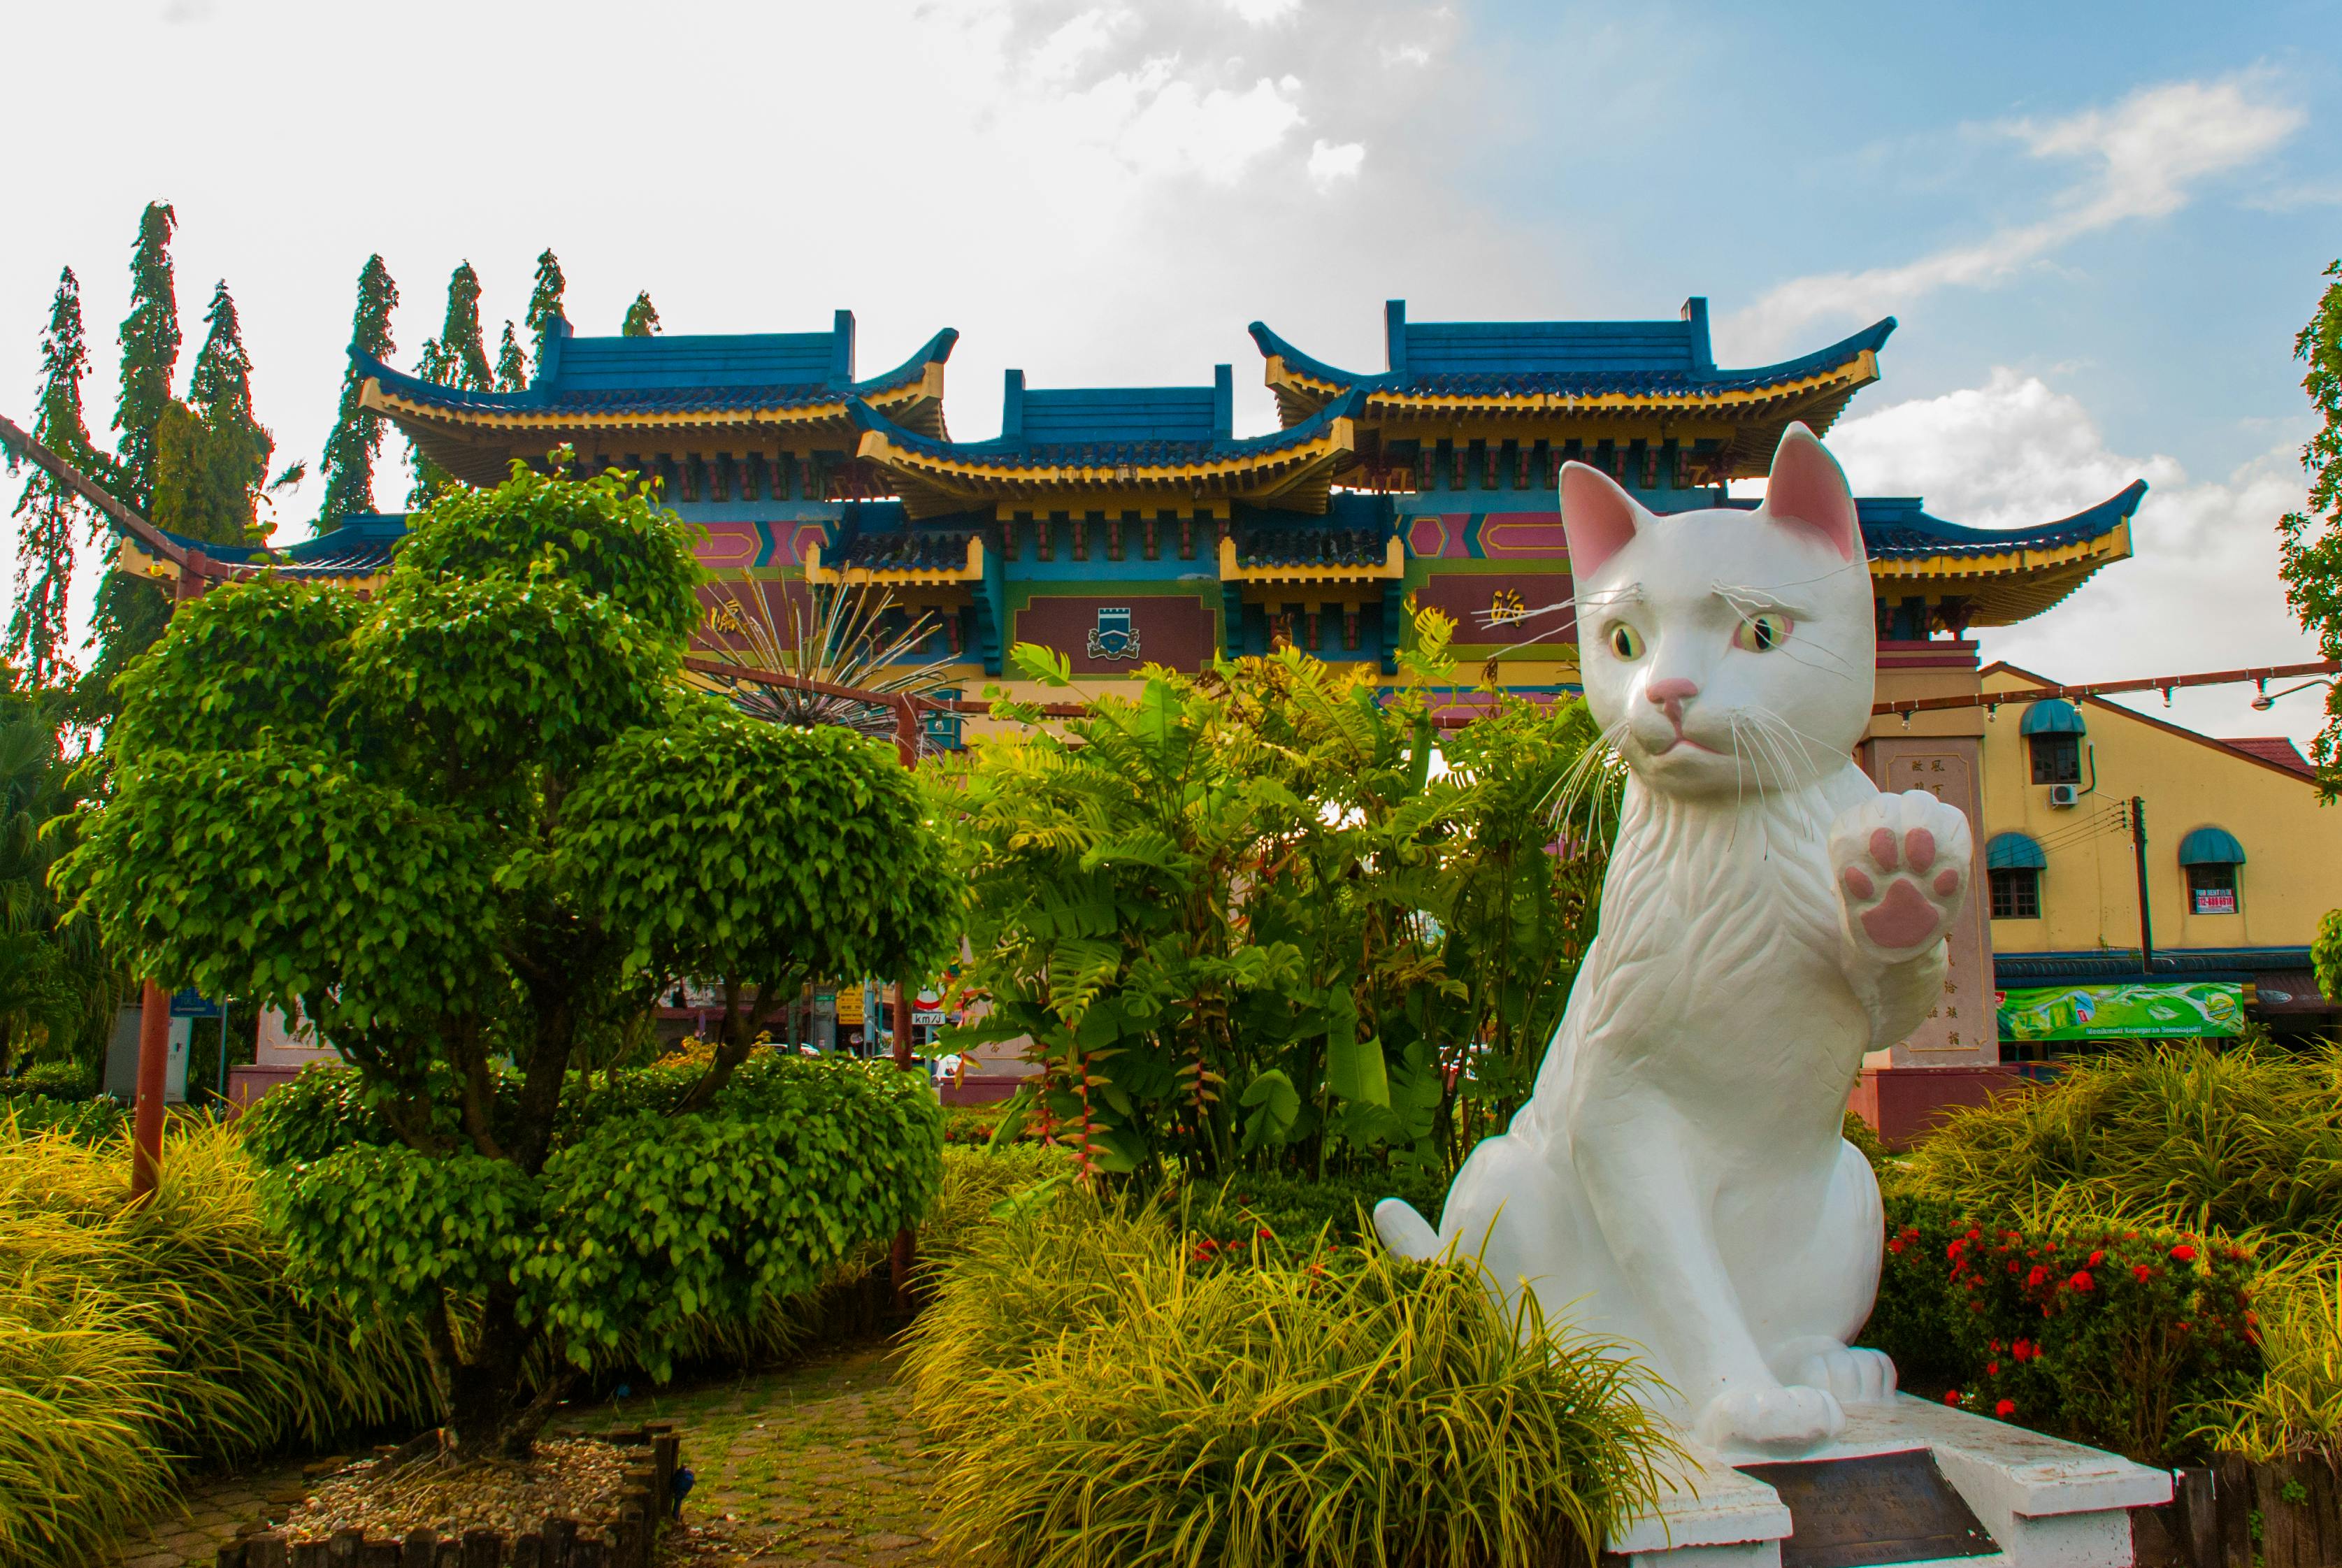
<point>2065,795</point>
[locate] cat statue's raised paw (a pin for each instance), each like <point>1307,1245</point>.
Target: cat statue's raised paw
<point>1678,1179</point>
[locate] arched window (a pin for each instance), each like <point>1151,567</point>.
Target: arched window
<point>2210,856</point>
<point>2053,731</point>
<point>2013,864</point>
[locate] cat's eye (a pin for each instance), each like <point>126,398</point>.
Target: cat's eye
<point>1763,633</point>
<point>1625,641</point>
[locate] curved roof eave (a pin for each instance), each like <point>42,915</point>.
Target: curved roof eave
<point>1869,340</point>
<point>2090,523</point>
<point>1274,347</point>
<point>936,351</point>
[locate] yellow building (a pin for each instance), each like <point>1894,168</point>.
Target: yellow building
<point>2087,800</point>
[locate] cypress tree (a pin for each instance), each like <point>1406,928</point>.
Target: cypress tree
<point>463,353</point>
<point>356,440</point>
<point>45,534</point>
<point>150,354</point>
<point>641,318</point>
<point>545,303</point>
<point>457,357</point>
<point>211,455</point>
<point>512,365</point>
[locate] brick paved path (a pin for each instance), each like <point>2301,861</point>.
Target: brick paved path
<point>815,1466</point>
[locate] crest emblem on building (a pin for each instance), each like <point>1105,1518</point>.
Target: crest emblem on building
<point>1113,637</point>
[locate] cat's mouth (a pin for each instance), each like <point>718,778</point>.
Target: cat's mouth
<point>1681,742</point>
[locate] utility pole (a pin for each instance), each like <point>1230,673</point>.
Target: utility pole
<point>2138,856</point>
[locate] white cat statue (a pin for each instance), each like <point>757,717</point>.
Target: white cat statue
<point>1678,1179</point>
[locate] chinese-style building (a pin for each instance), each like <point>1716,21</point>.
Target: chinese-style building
<point>1126,525</point>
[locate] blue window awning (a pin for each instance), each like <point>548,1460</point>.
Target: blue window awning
<point>2014,852</point>
<point>2211,846</point>
<point>2052,717</point>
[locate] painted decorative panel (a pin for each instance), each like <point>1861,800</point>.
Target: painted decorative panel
<point>1104,635</point>
<point>1502,607</point>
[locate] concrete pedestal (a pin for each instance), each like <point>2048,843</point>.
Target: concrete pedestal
<point>2047,1504</point>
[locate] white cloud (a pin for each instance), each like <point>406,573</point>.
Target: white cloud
<point>2148,157</point>
<point>2201,590</point>
<point>1331,163</point>
<point>1260,13</point>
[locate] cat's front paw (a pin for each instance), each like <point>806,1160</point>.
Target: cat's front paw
<point>1854,1375</point>
<point>1783,1421</point>
<point>1901,866</point>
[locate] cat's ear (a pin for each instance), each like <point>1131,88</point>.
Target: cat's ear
<point>1808,492</point>
<point>1598,517</point>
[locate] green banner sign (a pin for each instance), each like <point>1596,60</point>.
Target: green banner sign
<point>2164,1011</point>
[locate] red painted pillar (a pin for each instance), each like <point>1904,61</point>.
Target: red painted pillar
<point>153,1057</point>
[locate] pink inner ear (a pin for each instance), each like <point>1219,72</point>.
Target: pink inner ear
<point>1598,517</point>
<point>1809,490</point>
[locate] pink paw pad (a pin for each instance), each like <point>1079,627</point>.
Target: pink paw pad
<point>1948,883</point>
<point>1919,848</point>
<point>1904,918</point>
<point>1882,848</point>
<point>1858,883</point>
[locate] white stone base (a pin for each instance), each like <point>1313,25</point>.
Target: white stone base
<point>2047,1504</point>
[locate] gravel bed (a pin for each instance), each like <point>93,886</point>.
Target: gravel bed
<point>582,1477</point>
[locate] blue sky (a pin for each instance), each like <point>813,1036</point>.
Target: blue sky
<point>2099,226</point>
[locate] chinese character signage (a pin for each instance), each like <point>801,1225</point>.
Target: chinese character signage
<point>2173,1010</point>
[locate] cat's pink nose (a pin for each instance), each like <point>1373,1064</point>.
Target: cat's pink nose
<point>1674,689</point>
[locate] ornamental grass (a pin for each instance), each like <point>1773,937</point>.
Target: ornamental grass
<point>133,1338</point>
<point>2246,1142</point>
<point>2295,1411</point>
<point>1100,1393</point>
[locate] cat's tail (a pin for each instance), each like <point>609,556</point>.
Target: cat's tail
<point>1404,1230</point>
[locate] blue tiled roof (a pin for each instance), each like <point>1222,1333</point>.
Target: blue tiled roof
<point>1273,545</point>
<point>681,374</point>
<point>1897,527</point>
<point>360,548</point>
<point>1116,426</point>
<point>2118,965</point>
<point>1583,358</point>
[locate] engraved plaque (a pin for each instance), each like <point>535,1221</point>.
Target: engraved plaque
<point>1869,1512</point>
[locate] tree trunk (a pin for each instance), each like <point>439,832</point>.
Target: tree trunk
<point>489,1414</point>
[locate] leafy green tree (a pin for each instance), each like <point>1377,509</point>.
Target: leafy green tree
<point>46,511</point>
<point>150,355</point>
<point>356,440</point>
<point>641,318</point>
<point>476,820</point>
<point>512,365</point>
<point>457,357</point>
<point>58,988</point>
<point>2310,561</point>
<point>545,305</point>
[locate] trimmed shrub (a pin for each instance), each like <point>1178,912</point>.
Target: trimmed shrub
<point>2112,1334</point>
<point>91,1120</point>
<point>51,1080</point>
<point>1098,1398</point>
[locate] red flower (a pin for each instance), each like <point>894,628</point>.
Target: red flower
<point>1992,1369</point>
<point>2140,1273</point>
<point>1956,1249</point>
<point>2005,1409</point>
<point>1953,1397</point>
<point>1896,1245</point>
<point>2023,1350</point>
<point>2038,1276</point>
<point>1262,1232</point>
<point>2096,1258</point>
<point>2081,1281</point>
<point>1996,1347</point>
<point>2183,1253</point>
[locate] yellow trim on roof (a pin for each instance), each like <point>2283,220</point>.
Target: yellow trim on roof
<point>2008,585</point>
<point>374,395</point>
